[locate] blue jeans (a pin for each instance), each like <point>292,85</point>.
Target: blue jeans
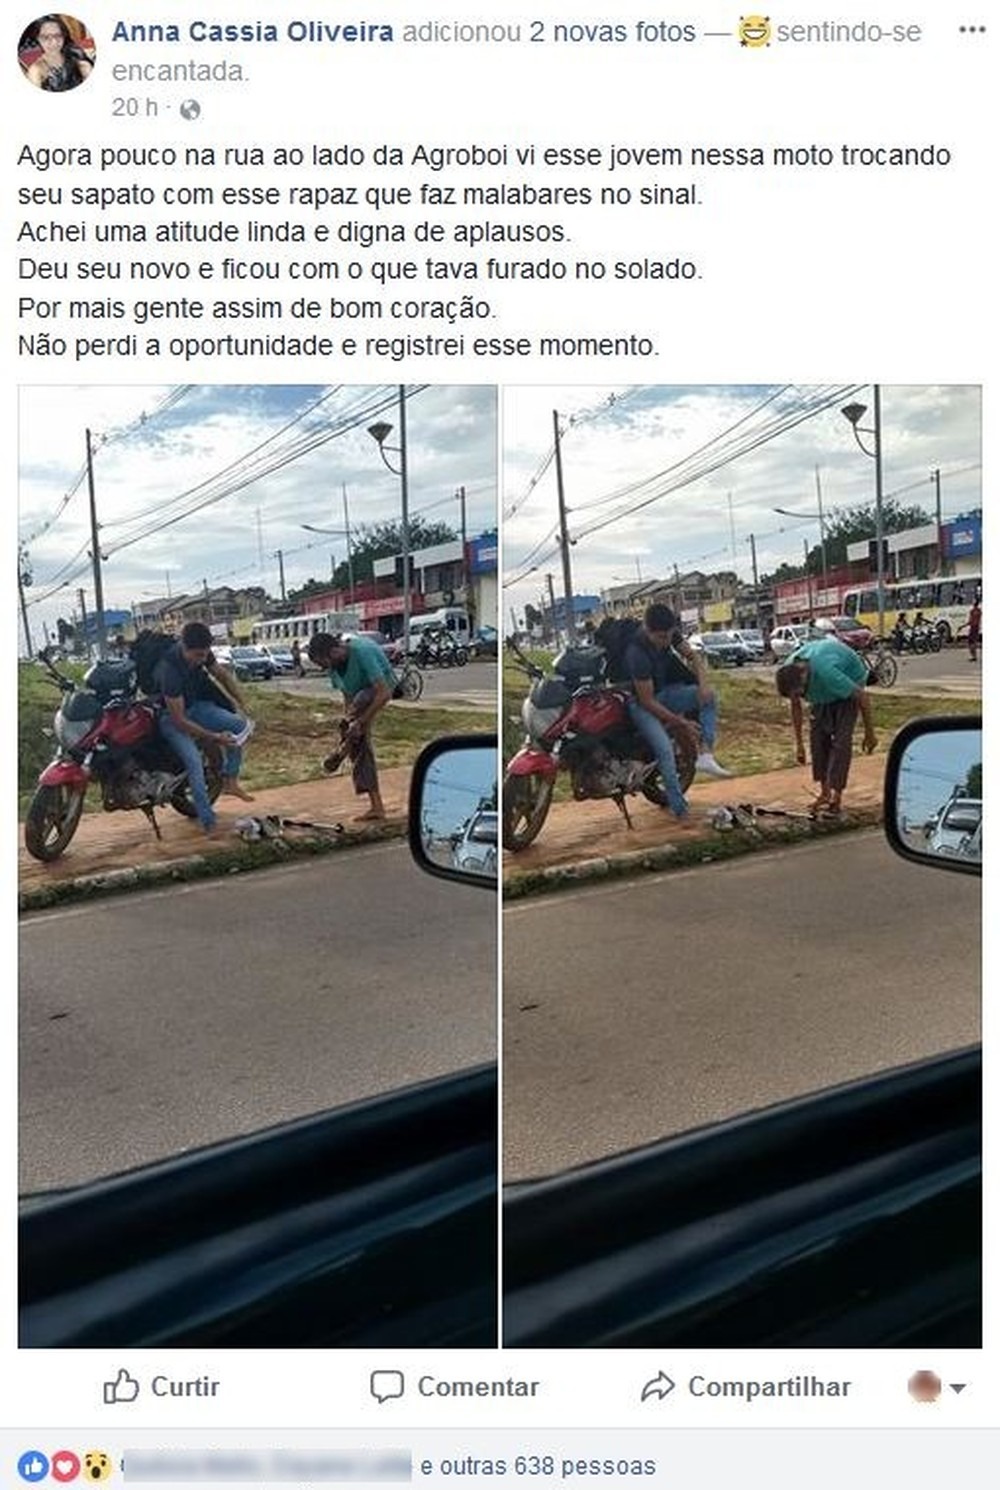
<point>682,698</point>
<point>657,737</point>
<point>209,716</point>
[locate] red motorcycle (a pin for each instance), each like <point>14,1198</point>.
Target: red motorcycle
<point>106,733</point>
<point>575,720</point>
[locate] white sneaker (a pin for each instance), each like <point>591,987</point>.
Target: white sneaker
<point>709,766</point>
<point>244,734</point>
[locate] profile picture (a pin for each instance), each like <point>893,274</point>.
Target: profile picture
<point>924,1386</point>
<point>56,53</point>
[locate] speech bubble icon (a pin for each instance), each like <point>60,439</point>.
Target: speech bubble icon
<point>387,1384</point>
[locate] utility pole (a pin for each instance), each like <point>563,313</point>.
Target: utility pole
<point>756,581</point>
<point>678,597</point>
<point>405,495</point>
<point>936,478</point>
<point>563,535</point>
<point>513,622</point>
<point>880,570</point>
<point>350,550</point>
<point>82,598</point>
<point>281,573</point>
<point>102,641</point>
<point>460,496</point>
<point>822,529</point>
<point>23,581</point>
<point>552,607</point>
<point>809,593</point>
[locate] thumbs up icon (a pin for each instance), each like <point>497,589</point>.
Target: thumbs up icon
<point>124,1388</point>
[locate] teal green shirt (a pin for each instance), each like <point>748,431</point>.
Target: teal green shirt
<point>367,665</point>
<point>835,670</point>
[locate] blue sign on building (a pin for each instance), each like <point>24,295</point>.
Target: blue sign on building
<point>483,554</point>
<point>963,538</point>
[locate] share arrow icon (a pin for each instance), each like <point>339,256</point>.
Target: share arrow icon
<point>661,1386</point>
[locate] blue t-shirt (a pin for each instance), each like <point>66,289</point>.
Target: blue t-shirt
<point>366,665</point>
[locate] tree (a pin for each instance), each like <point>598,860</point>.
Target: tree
<point>377,541</point>
<point>846,525</point>
<point>974,781</point>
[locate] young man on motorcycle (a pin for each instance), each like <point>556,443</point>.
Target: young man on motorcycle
<point>669,682</point>
<point>193,687</point>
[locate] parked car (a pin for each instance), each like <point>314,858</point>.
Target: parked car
<point>845,629</point>
<point>249,664</point>
<point>475,846</point>
<point>785,639</point>
<point>719,648</point>
<point>281,659</point>
<point>753,641</point>
<point>485,642</point>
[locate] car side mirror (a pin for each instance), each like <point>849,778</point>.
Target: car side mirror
<point>454,817</point>
<point>933,807</point>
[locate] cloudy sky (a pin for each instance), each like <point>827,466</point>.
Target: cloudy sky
<point>621,437</point>
<point>200,440</point>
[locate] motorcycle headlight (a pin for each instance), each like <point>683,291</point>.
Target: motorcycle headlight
<point>70,732</point>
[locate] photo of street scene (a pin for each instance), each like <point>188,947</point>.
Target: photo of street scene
<point>244,612</point>
<point>720,606</point>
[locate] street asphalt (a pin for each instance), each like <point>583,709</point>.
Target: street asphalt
<point>646,1008</point>
<point>162,1021</point>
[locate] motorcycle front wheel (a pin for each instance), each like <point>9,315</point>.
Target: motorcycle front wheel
<point>53,817</point>
<point>526,803</point>
<point>183,802</point>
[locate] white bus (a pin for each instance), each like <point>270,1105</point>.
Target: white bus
<point>945,602</point>
<point>281,631</point>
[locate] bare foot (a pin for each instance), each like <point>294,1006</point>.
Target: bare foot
<point>234,789</point>
<point>371,816</point>
<point>688,823</point>
<point>216,830</point>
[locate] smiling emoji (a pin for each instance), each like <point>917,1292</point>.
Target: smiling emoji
<point>755,31</point>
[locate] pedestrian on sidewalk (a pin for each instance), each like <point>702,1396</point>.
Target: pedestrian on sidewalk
<point>200,703</point>
<point>975,624</point>
<point>669,683</point>
<point>831,677</point>
<point>300,671</point>
<point>359,669</point>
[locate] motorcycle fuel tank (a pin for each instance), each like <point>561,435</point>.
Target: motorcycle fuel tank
<point>130,726</point>
<point>596,713</point>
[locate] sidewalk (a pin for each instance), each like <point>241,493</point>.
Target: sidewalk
<point>112,841</point>
<point>577,832</point>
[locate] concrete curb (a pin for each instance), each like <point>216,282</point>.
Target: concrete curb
<point>518,885</point>
<point>238,859</point>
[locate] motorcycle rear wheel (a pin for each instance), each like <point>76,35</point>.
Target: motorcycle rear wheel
<point>526,803</point>
<point>53,817</point>
<point>183,802</point>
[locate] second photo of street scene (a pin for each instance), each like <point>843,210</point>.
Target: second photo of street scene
<point>258,863</point>
<point>741,820</point>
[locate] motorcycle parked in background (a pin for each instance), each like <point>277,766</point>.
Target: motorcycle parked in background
<point>106,733</point>
<point>577,721</point>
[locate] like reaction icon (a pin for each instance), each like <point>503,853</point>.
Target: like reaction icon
<point>124,1388</point>
<point>33,1466</point>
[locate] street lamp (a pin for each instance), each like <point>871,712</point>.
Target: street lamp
<point>854,413</point>
<point>818,513</point>
<point>380,433</point>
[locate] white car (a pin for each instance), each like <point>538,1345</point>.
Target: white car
<point>785,639</point>
<point>475,846</point>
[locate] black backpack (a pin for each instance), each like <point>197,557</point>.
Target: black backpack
<point>146,652</point>
<point>614,636</point>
